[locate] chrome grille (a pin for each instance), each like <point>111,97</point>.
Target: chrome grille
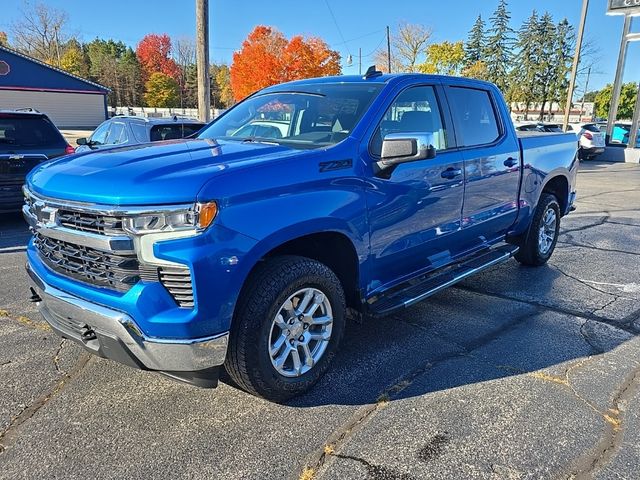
<point>90,222</point>
<point>119,272</point>
<point>177,280</point>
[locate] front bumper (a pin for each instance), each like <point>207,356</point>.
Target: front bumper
<point>114,335</point>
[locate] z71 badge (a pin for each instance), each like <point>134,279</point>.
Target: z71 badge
<point>335,165</point>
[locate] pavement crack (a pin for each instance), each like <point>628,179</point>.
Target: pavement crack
<point>56,357</point>
<point>621,325</point>
<point>614,430</point>
<point>589,246</point>
<point>597,223</point>
<point>580,281</point>
<point>9,434</point>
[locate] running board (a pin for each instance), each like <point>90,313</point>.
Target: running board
<point>421,288</point>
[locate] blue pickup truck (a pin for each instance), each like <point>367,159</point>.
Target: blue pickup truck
<point>247,247</point>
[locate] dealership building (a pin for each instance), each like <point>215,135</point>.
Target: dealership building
<point>70,101</point>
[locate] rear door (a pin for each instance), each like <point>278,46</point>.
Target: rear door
<point>491,155</point>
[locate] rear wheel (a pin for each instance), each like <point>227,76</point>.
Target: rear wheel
<point>540,241</point>
<point>288,325</point>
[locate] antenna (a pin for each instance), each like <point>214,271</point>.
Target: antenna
<point>372,73</point>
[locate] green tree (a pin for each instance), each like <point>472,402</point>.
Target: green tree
<point>627,101</point>
<point>474,48</point>
<point>116,66</point>
<point>499,45</point>
<point>444,58</point>
<point>161,90</point>
<point>523,80</point>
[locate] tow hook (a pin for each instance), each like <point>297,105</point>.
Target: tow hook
<point>34,298</point>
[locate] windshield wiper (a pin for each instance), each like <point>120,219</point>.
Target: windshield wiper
<point>259,140</point>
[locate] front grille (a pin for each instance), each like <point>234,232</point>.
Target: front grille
<point>119,272</point>
<point>177,280</point>
<point>90,222</point>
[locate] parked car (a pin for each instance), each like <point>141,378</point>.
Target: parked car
<point>248,252</point>
<point>621,133</point>
<point>125,130</point>
<point>590,140</point>
<point>27,138</point>
<point>539,127</point>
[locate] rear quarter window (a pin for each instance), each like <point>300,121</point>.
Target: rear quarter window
<point>28,131</point>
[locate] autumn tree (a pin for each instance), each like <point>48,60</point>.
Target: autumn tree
<point>40,32</point>
<point>408,48</point>
<point>184,54</point>
<point>223,83</point>
<point>4,40</point>
<point>74,59</point>
<point>267,58</point>
<point>154,55</point>
<point>161,90</point>
<point>446,58</point>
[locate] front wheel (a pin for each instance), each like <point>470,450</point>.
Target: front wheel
<point>540,241</point>
<point>288,325</point>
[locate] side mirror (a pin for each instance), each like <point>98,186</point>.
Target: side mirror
<point>82,141</point>
<point>406,147</point>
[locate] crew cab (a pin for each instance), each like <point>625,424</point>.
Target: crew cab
<point>248,252</point>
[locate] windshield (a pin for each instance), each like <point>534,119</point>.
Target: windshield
<point>313,116</point>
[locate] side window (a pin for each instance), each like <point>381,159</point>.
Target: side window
<point>99,136</point>
<point>117,134</point>
<point>415,110</point>
<point>474,115</point>
<point>139,131</point>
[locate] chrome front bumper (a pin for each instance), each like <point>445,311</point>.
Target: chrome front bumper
<point>112,334</point>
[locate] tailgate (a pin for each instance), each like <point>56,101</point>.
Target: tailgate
<point>14,167</point>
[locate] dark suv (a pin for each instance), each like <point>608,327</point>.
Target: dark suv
<point>27,138</point>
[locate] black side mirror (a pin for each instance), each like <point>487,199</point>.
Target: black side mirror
<point>405,147</point>
<point>82,141</point>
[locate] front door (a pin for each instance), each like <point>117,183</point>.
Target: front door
<point>414,209</point>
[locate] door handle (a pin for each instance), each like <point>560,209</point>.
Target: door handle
<point>451,173</point>
<point>511,162</point>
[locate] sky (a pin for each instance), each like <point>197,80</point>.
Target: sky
<point>354,24</point>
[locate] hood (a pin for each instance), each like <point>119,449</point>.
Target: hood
<point>152,174</point>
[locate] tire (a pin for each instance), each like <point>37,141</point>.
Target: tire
<point>276,284</point>
<point>533,250</point>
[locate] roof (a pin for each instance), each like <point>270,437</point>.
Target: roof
<point>158,120</point>
<point>25,79</point>
<point>380,79</point>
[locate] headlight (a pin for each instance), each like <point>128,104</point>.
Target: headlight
<point>198,217</point>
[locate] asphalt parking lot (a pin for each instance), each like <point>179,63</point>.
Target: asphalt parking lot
<point>516,373</point>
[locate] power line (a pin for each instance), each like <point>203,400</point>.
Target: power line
<point>337,26</point>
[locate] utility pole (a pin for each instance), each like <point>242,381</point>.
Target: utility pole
<point>388,49</point>
<point>202,59</point>
<point>576,62</point>
<point>586,90</point>
<point>359,61</point>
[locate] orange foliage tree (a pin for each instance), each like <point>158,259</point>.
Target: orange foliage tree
<point>153,53</point>
<point>267,58</point>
